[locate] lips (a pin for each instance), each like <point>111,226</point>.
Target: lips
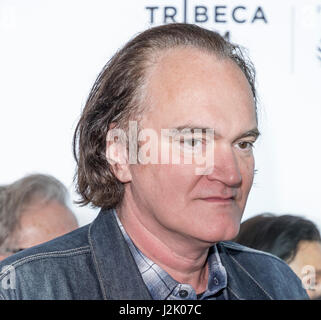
<point>219,199</point>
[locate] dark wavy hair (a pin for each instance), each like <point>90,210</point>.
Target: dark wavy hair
<point>117,97</point>
<point>279,235</point>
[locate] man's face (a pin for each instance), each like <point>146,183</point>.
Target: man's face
<point>188,88</point>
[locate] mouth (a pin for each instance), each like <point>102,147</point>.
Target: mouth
<point>219,200</point>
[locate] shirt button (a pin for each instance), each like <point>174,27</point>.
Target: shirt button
<point>183,293</point>
<point>216,281</point>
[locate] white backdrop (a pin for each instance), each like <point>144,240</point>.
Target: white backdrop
<point>52,50</point>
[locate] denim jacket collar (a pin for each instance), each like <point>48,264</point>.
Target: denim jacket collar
<point>117,271</point>
<point>240,284</point>
<point>120,278</point>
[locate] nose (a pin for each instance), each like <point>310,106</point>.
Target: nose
<point>226,167</point>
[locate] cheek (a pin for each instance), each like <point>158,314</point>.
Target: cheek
<point>168,184</point>
<point>179,180</point>
<point>247,172</point>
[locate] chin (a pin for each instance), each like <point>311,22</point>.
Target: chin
<point>224,231</point>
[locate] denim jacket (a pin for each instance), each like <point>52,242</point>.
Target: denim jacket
<point>94,262</point>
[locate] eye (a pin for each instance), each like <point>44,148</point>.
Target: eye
<point>192,142</point>
<point>245,145</point>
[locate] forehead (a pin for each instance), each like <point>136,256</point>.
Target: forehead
<point>187,85</point>
<point>43,221</point>
<point>309,252</point>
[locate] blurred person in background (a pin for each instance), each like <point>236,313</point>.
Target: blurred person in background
<point>33,210</point>
<point>293,239</point>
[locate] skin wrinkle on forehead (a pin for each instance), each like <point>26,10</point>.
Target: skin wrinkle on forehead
<point>172,92</point>
<point>146,104</point>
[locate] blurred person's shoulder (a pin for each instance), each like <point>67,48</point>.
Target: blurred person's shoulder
<point>268,271</point>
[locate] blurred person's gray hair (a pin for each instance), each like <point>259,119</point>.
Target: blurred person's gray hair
<point>31,189</point>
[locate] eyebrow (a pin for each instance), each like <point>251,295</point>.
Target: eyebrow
<point>255,133</point>
<point>182,129</point>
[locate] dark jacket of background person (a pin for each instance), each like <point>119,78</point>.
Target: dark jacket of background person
<point>81,270</point>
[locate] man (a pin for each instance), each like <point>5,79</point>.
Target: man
<point>145,149</point>
<point>294,239</point>
<point>33,210</point>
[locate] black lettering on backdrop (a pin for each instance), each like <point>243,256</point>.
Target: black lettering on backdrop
<point>151,13</point>
<point>169,12</point>
<point>234,14</point>
<point>200,14</point>
<point>259,14</point>
<point>226,36</point>
<point>218,12</point>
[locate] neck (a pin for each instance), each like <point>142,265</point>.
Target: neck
<point>183,258</point>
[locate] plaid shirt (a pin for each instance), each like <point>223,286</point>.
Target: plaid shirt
<point>162,286</point>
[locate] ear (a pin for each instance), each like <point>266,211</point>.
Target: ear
<point>116,153</point>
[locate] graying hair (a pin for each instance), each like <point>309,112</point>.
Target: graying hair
<point>15,197</point>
